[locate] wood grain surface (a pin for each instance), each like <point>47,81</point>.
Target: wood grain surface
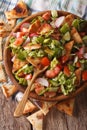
<point>54,120</point>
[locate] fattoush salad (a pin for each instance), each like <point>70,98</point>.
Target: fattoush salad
<point>59,42</point>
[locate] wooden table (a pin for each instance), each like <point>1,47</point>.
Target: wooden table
<point>54,120</point>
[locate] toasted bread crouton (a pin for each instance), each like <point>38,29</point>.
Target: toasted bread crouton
<point>0,48</point>
<point>9,90</point>
<point>17,64</point>
<point>69,19</point>
<point>75,35</point>
<point>66,106</point>
<point>68,47</point>
<point>2,74</point>
<point>29,107</point>
<point>36,119</point>
<point>34,27</point>
<point>19,11</point>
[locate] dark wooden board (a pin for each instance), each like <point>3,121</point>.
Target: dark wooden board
<point>54,120</point>
<point>7,121</point>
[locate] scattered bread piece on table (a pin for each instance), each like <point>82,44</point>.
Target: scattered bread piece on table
<point>66,106</point>
<point>29,107</point>
<point>2,74</point>
<point>9,90</point>
<point>12,22</point>
<point>36,119</point>
<point>0,48</point>
<point>19,11</point>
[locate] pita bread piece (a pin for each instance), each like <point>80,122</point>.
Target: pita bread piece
<point>66,106</point>
<point>29,107</point>
<point>36,120</point>
<point>19,11</point>
<point>2,74</point>
<point>43,106</point>
<point>0,48</point>
<point>12,22</point>
<point>9,90</point>
<point>5,29</point>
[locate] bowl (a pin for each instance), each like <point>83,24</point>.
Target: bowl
<point>8,65</point>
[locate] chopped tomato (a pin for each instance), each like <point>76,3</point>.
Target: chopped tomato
<point>38,88</point>
<point>57,69</point>
<point>20,34</point>
<point>18,41</point>
<point>64,59</point>
<point>28,76</point>
<point>33,35</point>
<point>78,64</point>
<point>84,75</point>
<point>45,61</point>
<point>53,73</point>
<point>46,16</point>
<point>66,71</point>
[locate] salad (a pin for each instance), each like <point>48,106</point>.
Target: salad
<point>59,42</point>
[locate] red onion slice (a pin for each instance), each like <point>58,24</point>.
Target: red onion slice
<point>59,21</point>
<point>43,81</point>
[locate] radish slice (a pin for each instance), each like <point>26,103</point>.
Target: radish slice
<point>43,81</point>
<point>13,58</point>
<point>85,55</point>
<point>59,21</point>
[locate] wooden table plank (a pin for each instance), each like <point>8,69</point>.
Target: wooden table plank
<point>7,121</point>
<point>56,120</point>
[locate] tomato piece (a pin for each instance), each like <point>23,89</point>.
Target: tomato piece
<point>20,34</point>
<point>80,53</point>
<point>64,59</point>
<point>45,61</point>
<point>18,41</point>
<point>33,35</point>
<point>57,69</point>
<point>84,75</point>
<point>46,16</point>
<point>78,64</point>
<point>28,76</point>
<point>50,74</point>
<point>24,27</point>
<point>38,88</point>
<point>66,71</point>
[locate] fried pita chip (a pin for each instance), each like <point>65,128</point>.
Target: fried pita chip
<point>66,106</point>
<point>77,38</point>
<point>5,29</point>
<point>29,107</point>
<point>19,11</point>
<point>12,22</point>
<point>0,48</point>
<point>69,19</point>
<point>2,74</point>
<point>43,106</point>
<point>9,90</point>
<point>36,120</point>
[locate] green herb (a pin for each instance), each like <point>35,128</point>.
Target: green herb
<point>54,62</point>
<point>65,28</point>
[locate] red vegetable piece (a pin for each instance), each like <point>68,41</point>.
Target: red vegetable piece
<point>64,59</point>
<point>84,75</point>
<point>66,71</point>
<point>45,61</point>
<point>46,16</point>
<point>28,76</point>
<point>24,27</point>
<point>38,88</point>
<point>18,41</point>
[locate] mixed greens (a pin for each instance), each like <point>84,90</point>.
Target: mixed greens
<point>59,42</point>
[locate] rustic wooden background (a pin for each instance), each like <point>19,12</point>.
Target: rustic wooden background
<point>54,120</point>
